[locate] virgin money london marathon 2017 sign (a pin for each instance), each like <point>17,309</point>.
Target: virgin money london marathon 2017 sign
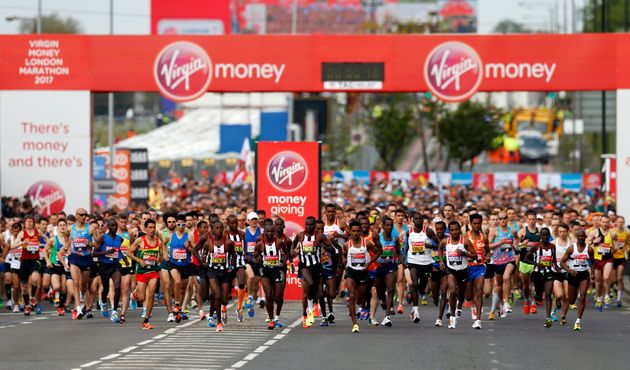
<point>288,181</point>
<point>45,148</point>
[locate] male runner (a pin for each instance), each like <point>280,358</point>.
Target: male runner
<point>605,245</point>
<point>576,261</point>
<point>477,268</point>
<point>238,238</point>
<point>170,219</point>
<point>108,253</point>
<point>503,245</point>
<point>560,283</point>
<point>180,246</point>
<point>419,260</point>
<point>528,238</point>
<point>58,278</point>
<point>252,269</point>
<point>387,267</point>
<point>619,257</point>
<point>439,285</point>
<point>328,290</point>
<point>401,231</point>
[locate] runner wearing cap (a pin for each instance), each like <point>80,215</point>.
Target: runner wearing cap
<point>252,269</point>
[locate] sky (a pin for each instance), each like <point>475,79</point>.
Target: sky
<point>133,16</point>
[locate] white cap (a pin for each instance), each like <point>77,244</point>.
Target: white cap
<point>252,216</point>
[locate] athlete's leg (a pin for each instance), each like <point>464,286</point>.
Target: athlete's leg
<point>452,296</point>
<point>619,278</point>
<point>583,287</point>
<point>352,299</point>
<point>151,288</point>
<point>165,281</point>
<point>125,282</point>
<point>268,290</point>
<point>607,273</point>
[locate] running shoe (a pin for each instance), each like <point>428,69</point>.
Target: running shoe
<point>577,326</point>
<point>415,318</point>
<point>271,325</point>
<point>224,317</point>
<point>305,323</point>
<point>38,310</point>
<point>491,316</point>
<point>267,319</point>
<point>503,314</point>
<point>438,323</point>
<point>467,304</point>
<point>364,314</point>
<point>193,304</point>
<point>331,317</point>
<point>146,326</point>
<point>239,315</point>
<point>517,294</point>
<point>458,313</point>
<point>202,315</point>
<point>477,324</point>
<point>89,314</point>
<point>548,323</point>
<point>211,323</point>
<point>132,301</point>
<point>115,317</point>
<point>103,308</point>
<point>33,303</point>
<point>316,311</point>
<point>250,311</point>
<point>27,310</point>
<point>563,321</point>
<point>355,328</point>
<point>219,327</point>
<point>60,311</point>
<point>324,322</point>
<point>16,309</point>
<point>249,303</point>
<point>123,319</point>
<point>171,317</point>
<point>400,309</point>
<point>372,322</point>
<point>310,318</point>
<point>9,304</point>
<point>144,312</point>
<point>534,309</point>
<point>619,303</point>
<point>508,309</point>
<point>278,324</point>
<point>452,322</point>
<point>184,317</point>
<point>598,305</point>
<point>75,315</point>
<point>553,315</point>
<point>424,301</point>
<point>186,309</point>
<point>178,314</point>
<point>261,303</point>
<point>526,308</point>
<point>573,307</point>
<point>387,321</point>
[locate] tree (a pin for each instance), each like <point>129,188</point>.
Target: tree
<point>392,127</point>
<point>509,26</point>
<point>51,24</point>
<point>469,130</point>
<point>617,16</point>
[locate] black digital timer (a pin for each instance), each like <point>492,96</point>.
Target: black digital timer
<point>353,72</point>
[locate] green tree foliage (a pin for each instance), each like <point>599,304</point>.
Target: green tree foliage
<point>51,24</point>
<point>616,15</point>
<point>469,130</point>
<point>509,26</point>
<point>392,126</point>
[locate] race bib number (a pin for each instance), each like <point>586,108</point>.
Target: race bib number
<point>358,258</point>
<point>454,257</point>
<point>150,260</point>
<point>388,252</point>
<point>32,247</point>
<point>42,254</point>
<point>604,249</point>
<point>546,261</point>
<point>308,247</point>
<point>238,247</point>
<point>112,253</point>
<point>271,261</point>
<point>251,247</point>
<point>581,261</point>
<point>179,254</point>
<point>219,258</point>
<point>417,247</point>
<point>506,244</point>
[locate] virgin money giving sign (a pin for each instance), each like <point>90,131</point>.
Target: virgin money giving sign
<point>288,181</point>
<point>45,148</point>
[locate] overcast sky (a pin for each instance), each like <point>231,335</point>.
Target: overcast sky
<point>133,16</point>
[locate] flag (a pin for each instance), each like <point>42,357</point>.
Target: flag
<point>244,168</point>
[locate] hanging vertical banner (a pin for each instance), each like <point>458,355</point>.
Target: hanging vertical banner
<point>45,148</point>
<point>288,181</point>
<point>622,167</point>
<point>139,175</point>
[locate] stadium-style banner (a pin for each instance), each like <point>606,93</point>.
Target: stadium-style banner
<point>183,67</point>
<point>481,181</point>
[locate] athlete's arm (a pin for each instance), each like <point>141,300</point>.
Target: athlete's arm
<point>565,258</point>
<point>470,250</point>
<point>19,240</point>
<point>47,249</point>
<point>377,250</point>
<point>131,252</point>
<point>229,246</point>
<point>299,237</point>
<point>344,255</point>
<point>258,252</point>
<point>492,234</point>
<point>529,257</point>
<point>325,243</point>
<point>195,251</point>
<point>441,252</point>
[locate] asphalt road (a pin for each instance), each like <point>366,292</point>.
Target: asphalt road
<point>517,342</point>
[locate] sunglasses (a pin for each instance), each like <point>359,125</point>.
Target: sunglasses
<point>181,225</point>
<point>82,214</point>
<point>170,222</point>
<point>502,218</point>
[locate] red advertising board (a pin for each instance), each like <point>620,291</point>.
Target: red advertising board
<point>294,63</point>
<point>288,181</point>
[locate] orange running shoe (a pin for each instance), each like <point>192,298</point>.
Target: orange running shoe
<point>304,323</point>
<point>316,310</point>
<point>526,308</point>
<point>534,309</point>
<point>467,304</point>
<point>219,327</point>
<point>400,309</point>
<point>146,326</point>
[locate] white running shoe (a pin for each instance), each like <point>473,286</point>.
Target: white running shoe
<point>477,324</point>
<point>387,321</point>
<point>171,317</point>
<point>503,314</point>
<point>438,323</point>
<point>473,313</point>
<point>507,308</point>
<point>452,322</point>
<point>16,308</point>
<point>144,312</point>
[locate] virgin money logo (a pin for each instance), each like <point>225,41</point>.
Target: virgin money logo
<point>453,71</point>
<point>48,196</point>
<point>182,71</point>
<point>287,171</point>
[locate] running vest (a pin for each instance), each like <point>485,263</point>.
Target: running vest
<point>622,236</point>
<point>603,251</point>
<point>239,248</point>
<point>30,246</point>
<point>456,258</point>
<point>250,242</point>
<point>42,249</point>
<point>504,253</point>
<point>309,252</point>
<point>357,257</point>
<point>397,234</point>
<point>561,249</point>
<point>416,248</point>
<point>329,230</point>
<point>79,240</point>
<point>110,243</point>
<point>218,258</point>
<point>56,247</point>
<point>579,261</point>
<point>530,240</point>
<point>125,260</point>
<point>480,249</point>
<point>544,257</point>
<point>387,259</point>
<point>149,254</point>
<point>178,254</point>
<point>272,255</point>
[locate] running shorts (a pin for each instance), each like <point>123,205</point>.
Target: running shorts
<point>222,276</point>
<point>579,277</point>
<point>525,268</point>
<point>619,262</point>
<point>560,276</point>
<point>146,277</point>
<point>27,268</point>
<point>185,271</point>
<point>461,276</point>
<point>276,275</point>
<point>475,272</point>
<point>599,264</point>
<point>360,277</point>
<point>327,274</point>
<point>500,269</point>
<point>84,263</point>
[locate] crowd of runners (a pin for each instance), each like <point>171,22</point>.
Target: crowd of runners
<point>551,252</point>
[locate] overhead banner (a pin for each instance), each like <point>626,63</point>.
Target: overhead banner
<point>453,67</point>
<point>46,148</point>
<point>288,181</point>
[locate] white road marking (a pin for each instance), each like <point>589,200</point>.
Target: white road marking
<point>251,356</point>
<point>491,344</point>
<point>239,364</point>
<point>296,323</point>
<point>170,331</point>
<point>159,336</point>
<point>260,349</point>
<point>279,336</point>
<point>145,342</point>
<point>286,331</point>
<point>270,342</point>
<point>128,349</point>
<point>90,364</point>
<point>109,357</point>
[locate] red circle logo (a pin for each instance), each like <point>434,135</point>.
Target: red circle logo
<point>48,196</point>
<point>182,71</point>
<point>287,171</point>
<point>453,71</point>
